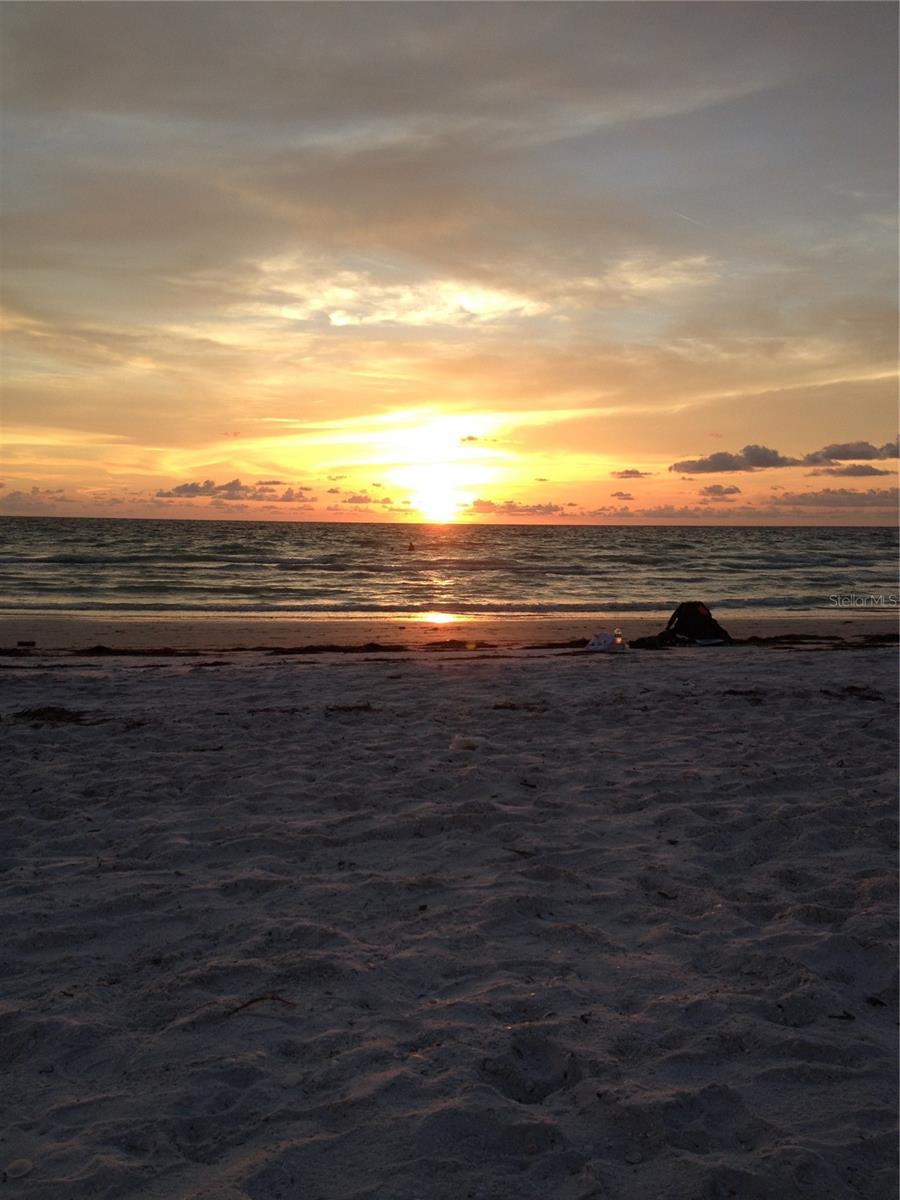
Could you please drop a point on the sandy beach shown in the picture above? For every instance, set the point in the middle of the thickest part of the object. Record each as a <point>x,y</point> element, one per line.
<point>497,925</point>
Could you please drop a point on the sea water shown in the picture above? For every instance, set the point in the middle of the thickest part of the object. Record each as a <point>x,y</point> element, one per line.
<point>90,565</point>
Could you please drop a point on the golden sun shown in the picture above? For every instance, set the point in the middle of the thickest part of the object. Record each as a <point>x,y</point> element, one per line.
<point>440,489</point>
<point>438,462</point>
<point>437,497</point>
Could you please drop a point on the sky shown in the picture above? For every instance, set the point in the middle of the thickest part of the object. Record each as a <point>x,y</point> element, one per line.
<point>523,262</point>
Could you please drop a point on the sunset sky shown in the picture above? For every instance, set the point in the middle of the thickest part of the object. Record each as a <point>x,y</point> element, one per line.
<point>576,262</point>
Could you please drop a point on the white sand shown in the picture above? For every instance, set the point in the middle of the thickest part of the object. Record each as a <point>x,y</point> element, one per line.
<point>514,927</point>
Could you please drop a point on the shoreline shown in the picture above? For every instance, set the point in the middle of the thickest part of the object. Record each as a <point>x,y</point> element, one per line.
<point>71,633</point>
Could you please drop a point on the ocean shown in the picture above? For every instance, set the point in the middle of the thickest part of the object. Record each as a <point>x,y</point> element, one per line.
<point>229,567</point>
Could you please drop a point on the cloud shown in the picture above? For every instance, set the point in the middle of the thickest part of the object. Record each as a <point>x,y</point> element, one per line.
<point>605,510</point>
<point>512,508</point>
<point>704,511</point>
<point>697,513</point>
<point>233,490</point>
<point>357,498</point>
<point>207,488</point>
<point>840,498</point>
<point>719,491</point>
<point>756,458</point>
<point>328,67</point>
<point>673,512</point>
<point>35,501</point>
<point>647,276</point>
<point>354,298</point>
<point>853,469</point>
<point>751,458</point>
<point>842,451</point>
<point>622,495</point>
<point>631,473</point>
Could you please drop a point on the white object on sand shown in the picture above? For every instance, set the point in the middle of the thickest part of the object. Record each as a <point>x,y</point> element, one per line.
<point>606,643</point>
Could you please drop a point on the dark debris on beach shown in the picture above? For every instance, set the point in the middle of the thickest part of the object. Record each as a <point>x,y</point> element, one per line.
<point>50,714</point>
<point>788,641</point>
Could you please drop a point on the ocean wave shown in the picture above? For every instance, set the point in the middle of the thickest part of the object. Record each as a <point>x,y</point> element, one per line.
<point>164,567</point>
<point>530,608</point>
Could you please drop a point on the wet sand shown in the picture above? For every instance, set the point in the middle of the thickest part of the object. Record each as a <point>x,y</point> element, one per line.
<point>219,633</point>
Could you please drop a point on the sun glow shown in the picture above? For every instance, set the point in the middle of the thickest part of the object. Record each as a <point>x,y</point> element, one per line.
<point>438,490</point>
<point>436,496</point>
<point>443,466</point>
